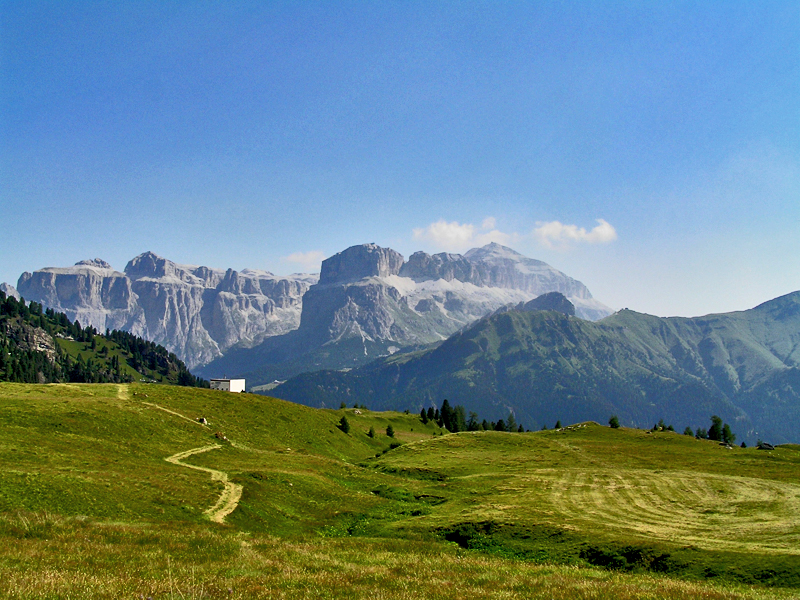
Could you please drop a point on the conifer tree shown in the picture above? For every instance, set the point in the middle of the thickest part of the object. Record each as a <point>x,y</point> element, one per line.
<point>344,424</point>
<point>727,435</point>
<point>511,423</point>
<point>715,432</point>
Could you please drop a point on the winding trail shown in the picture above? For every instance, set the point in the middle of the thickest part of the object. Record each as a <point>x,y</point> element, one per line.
<point>228,500</point>
<point>231,493</point>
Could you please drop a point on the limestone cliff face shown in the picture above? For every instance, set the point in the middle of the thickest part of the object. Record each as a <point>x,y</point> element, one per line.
<point>358,262</point>
<point>196,312</point>
<point>422,267</point>
<point>90,293</point>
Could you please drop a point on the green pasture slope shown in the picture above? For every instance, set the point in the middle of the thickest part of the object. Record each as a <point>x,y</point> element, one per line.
<point>90,508</point>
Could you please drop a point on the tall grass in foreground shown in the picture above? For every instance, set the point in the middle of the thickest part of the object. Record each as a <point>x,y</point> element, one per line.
<point>46,556</point>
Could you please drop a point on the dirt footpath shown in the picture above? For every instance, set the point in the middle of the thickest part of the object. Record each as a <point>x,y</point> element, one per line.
<point>228,500</point>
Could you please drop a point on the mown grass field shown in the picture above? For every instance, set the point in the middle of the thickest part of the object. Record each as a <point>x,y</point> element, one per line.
<point>89,507</point>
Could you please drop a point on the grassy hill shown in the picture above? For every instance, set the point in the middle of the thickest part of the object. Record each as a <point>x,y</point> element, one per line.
<point>89,507</point>
<point>545,365</point>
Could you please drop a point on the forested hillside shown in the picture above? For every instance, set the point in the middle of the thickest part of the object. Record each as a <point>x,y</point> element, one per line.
<point>44,346</point>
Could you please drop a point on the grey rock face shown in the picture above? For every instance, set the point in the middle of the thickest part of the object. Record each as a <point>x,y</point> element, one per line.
<point>94,262</point>
<point>357,262</point>
<point>97,296</point>
<point>500,267</point>
<point>196,312</point>
<point>503,267</point>
<point>422,267</point>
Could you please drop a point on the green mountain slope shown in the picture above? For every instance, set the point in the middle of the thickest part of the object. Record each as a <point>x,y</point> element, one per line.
<point>43,346</point>
<point>545,366</point>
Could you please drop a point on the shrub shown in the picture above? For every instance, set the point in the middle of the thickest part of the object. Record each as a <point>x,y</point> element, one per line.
<point>613,422</point>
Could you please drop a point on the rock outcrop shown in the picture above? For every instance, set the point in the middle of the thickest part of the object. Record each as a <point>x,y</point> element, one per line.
<point>370,292</point>
<point>30,338</point>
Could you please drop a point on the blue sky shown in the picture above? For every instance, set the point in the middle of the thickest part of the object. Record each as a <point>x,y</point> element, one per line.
<point>649,149</point>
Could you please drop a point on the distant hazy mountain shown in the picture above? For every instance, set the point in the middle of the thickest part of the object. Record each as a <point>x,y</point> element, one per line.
<point>195,312</point>
<point>369,302</point>
<point>546,365</point>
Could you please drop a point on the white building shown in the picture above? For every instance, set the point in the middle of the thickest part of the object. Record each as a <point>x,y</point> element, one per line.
<point>228,385</point>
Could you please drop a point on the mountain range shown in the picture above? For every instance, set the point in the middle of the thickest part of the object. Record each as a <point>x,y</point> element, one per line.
<point>366,302</point>
<point>542,364</point>
<point>492,330</point>
<point>196,312</point>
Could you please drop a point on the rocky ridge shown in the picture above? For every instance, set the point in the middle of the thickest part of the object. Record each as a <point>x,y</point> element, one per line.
<point>372,291</point>
<point>195,312</point>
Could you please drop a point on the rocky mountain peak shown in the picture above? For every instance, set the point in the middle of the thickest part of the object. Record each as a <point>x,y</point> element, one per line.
<point>152,266</point>
<point>94,262</point>
<point>148,264</point>
<point>358,262</point>
<point>9,290</point>
<point>494,250</point>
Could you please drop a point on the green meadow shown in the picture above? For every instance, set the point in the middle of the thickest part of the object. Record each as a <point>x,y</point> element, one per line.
<point>270,499</point>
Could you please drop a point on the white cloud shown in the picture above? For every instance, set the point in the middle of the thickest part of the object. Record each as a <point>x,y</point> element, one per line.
<point>309,261</point>
<point>558,235</point>
<point>456,237</point>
